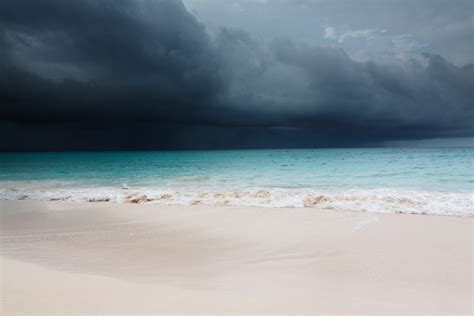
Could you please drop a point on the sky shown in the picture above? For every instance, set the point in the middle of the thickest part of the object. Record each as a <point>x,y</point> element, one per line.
<point>212,74</point>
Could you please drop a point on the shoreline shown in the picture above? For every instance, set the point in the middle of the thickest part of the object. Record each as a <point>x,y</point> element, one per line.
<point>228,207</point>
<point>375,200</point>
<point>106,257</point>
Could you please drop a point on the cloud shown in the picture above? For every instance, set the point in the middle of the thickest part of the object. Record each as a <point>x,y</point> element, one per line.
<point>97,57</point>
<point>148,75</point>
<point>368,34</point>
<point>443,27</point>
<point>322,88</point>
<point>330,33</point>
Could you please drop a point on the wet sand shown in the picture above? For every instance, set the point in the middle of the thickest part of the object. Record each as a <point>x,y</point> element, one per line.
<point>108,258</point>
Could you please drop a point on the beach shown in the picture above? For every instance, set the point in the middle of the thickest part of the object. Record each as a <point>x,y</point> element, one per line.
<point>243,157</point>
<point>144,258</point>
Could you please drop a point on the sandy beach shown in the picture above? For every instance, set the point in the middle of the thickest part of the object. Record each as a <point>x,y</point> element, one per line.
<point>65,258</point>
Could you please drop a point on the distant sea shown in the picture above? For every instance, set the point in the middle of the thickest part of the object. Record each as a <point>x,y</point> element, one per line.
<point>390,180</point>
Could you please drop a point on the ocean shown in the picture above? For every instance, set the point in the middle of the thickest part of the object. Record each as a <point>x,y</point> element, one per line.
<point>390,180</point>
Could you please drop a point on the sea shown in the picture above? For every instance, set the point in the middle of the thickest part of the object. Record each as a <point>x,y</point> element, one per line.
<point>438,181</point>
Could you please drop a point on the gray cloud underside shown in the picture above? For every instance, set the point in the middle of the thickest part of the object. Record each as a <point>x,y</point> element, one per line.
<point>147,74</point>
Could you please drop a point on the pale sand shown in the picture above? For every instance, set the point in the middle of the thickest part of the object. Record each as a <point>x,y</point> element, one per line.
<point>91,258</point>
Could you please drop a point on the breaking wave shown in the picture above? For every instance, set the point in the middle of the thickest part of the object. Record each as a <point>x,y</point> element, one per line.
<point>365,200</point>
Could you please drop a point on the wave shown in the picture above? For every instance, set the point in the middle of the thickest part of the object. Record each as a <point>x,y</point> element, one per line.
<point>387,200</point>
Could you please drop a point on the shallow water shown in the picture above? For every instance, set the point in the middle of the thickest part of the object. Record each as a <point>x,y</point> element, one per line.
<point>411,180</point>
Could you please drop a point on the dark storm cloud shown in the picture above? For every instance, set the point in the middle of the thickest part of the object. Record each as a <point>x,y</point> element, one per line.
<point>315,87</point>
<point>151,54</point>
<point>147,74</point>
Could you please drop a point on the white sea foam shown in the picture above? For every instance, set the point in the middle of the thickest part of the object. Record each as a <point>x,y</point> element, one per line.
<point>387,200</point>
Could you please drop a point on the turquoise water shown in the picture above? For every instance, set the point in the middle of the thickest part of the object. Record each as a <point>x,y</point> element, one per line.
<point>438,181</point>
<point>438,169</point>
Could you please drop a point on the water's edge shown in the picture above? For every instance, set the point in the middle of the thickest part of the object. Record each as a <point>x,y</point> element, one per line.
<point>391,180</point>
<point>383,200</point>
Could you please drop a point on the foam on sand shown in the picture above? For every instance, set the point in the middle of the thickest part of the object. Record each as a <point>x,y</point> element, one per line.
<point>383,200</point>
